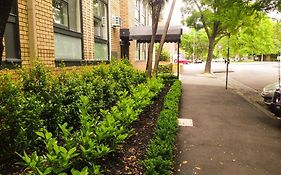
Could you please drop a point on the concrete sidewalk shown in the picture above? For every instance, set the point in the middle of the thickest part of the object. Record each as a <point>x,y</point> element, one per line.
<point>230,136</point>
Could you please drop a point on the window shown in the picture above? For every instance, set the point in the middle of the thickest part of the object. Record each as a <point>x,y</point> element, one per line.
<point>101,19</point>
<point>67,27</point>
<point>137,11</point>
<point>66,13</point>
<point>11,34</point>
<point>140,52</point>
<point>60,12</point>
<point>140,13</point>
<point>101,29</point>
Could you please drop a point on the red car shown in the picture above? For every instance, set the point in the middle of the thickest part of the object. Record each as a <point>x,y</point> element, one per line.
<point>182,60</point>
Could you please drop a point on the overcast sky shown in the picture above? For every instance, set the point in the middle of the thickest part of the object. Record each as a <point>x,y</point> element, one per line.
<point>176,18</point>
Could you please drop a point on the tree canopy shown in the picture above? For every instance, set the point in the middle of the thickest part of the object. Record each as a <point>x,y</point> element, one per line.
<point>195,42</point>
<point>263,37</point>
<point>218,18</point>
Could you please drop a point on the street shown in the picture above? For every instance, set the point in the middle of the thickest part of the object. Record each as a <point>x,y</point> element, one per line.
<point>248,79</point>
<point>253,74</point>
<point>230,134</point>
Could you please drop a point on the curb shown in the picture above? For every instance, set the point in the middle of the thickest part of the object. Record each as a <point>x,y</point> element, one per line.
<point>250,95</point>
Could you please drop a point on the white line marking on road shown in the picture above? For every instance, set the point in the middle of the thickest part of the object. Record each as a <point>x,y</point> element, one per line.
<point>185,122</point>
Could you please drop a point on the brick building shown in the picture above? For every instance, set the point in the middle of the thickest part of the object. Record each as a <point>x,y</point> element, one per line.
<point>73,31</point>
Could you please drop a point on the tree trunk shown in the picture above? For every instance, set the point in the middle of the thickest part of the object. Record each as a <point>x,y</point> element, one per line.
<point>163,37</point>
<point>155,19</point>
<point>212,43</point>
<point>5,8</point>
<point>208,65</point>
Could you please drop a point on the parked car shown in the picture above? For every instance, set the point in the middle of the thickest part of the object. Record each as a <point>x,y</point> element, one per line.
<point>219,60</point>
<point>183,61</point>
<point>198,61</point>
<point>268,93</point>
<point>272,97</point>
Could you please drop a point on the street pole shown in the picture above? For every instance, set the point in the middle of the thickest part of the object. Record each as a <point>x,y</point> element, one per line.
<point>178,68</point>
<point>279,61</point>
<point>227,61</point>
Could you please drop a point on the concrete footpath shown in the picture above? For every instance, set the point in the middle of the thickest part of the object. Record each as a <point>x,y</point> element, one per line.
<point>230,136</point>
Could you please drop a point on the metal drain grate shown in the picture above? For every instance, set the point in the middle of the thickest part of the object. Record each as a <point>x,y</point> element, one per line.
<point>185,122</point>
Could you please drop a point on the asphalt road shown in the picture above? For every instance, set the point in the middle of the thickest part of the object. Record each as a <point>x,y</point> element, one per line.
<point>254,74</point>
<point>247,79</point>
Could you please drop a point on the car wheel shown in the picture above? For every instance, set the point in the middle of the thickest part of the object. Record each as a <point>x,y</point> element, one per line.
<point>277,103</point>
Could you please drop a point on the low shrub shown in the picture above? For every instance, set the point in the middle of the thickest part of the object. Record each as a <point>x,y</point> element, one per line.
<point>97,137</point>
<point>165,68</point>
<point>164,55</point>
<point>159,158</point>
<point>168,78</point>
<point>39,100</point>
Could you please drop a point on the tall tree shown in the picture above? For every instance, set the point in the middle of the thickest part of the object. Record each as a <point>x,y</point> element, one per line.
<point>163,37</point>
<point>195,44</point>
<point>262,38</point>
<point>5,8</point>
<point>156,8</point>
<point>218,18</point>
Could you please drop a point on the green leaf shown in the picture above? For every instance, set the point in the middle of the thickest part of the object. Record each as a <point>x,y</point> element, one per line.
<point>48,135</point>
<point>63,150</point>
<point>26,158</point>
<point>40,134</point>
<point>71,151</point>
<point>48,170</point>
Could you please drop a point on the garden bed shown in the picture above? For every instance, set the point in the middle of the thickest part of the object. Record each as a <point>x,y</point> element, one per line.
<point>98,121</point>
<point>129,154</point>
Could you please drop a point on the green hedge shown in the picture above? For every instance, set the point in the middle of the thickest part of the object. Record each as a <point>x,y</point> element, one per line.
<point>165,68</point>
<point>39,100</point>
<point>97,137</point>
<point>159,158</point>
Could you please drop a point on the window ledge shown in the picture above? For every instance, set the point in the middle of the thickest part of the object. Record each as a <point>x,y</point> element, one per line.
<point>77,62</point>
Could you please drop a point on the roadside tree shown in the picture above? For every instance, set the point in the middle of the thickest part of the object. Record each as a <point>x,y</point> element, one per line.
<point>195,44</point>
<point>260,39</point>
<point>218,18</point>
<point>163,37</point>
<point>156,8</point>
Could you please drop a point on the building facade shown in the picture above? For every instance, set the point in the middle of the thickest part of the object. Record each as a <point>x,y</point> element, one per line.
<point>73,31</point>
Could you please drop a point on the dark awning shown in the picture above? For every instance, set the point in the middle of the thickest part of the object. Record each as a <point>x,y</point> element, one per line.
<point>143,34</point>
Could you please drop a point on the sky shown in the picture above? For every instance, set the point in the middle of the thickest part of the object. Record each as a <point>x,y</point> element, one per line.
<point>177,17</point>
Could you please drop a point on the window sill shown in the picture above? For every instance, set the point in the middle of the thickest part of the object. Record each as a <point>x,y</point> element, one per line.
<point>10,63</point>
<point>64,31</point>
<point>140,61</point>
<point>70,63</point>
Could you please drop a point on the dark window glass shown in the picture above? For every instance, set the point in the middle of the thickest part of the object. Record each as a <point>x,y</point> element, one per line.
<point>12,46</point>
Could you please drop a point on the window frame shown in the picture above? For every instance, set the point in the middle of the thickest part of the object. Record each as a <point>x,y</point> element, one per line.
<point>14,20</point>
<point>60,25</point>
<point>65,30</point>
<point>97,38</point>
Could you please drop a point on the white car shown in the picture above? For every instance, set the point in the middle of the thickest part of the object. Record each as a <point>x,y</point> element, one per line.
<point>268,92</point>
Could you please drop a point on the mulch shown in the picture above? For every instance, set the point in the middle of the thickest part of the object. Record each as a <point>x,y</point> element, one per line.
<point>127,159</point>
